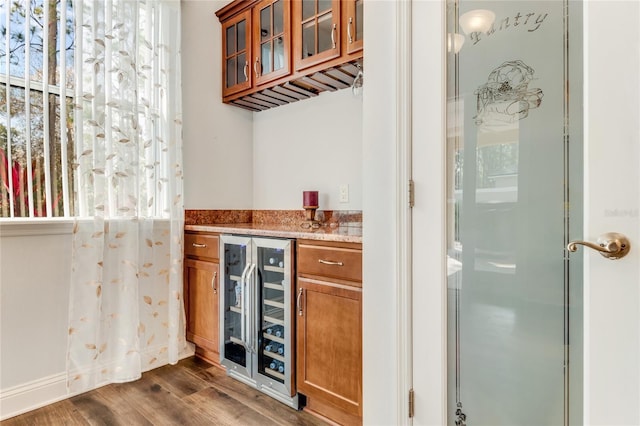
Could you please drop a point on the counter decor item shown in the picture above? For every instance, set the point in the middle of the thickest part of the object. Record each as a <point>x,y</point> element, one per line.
<point>310,204</point>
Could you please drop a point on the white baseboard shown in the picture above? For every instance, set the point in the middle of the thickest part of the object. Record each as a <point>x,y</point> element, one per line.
<point>29,396</point>
<point>47,390</point>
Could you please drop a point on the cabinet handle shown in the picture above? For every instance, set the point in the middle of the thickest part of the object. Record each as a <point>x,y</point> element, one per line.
<point>349,29</point>
<point>255,67</point>
<point>213,281</point>
<point>333,36</point>
<point>196,245</point>
<point>244,70</point>
<point>330,262</point>
<point>299,300</point>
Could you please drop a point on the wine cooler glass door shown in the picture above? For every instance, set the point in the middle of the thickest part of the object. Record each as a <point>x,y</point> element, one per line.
<point>275,360</point>
<point>234,303</point>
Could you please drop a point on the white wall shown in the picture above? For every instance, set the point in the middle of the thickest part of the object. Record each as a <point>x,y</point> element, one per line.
<point>235,159</point>
<point>380,251</point>
<point>217,138</point>
<point>35,266</point>
<point>34,300</point>
<point>315,144</point>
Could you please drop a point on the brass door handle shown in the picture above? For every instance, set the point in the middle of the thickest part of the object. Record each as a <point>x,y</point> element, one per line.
<point>610,245</point>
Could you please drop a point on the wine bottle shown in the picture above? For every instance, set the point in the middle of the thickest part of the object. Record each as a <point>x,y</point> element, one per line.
<point>270,347</point>
<point>281,367</point>
<point>273,365</point>
<point>279,331</point>
<point>281,349</point>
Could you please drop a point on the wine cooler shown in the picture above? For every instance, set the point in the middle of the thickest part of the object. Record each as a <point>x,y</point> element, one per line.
<point>256,323</point>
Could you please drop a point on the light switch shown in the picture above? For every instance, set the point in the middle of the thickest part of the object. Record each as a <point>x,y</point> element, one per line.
<point>344,193</point>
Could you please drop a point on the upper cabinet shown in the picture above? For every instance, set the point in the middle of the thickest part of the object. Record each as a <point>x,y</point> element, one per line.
<point>316,31</point>
<point>271,40</point>
<point>281,51</point>
<point>355,25</point>
<point>236,48</point>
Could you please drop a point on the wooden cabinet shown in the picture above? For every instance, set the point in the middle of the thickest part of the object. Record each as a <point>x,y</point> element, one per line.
<point>316,32</point>
<point>236,54</point>
<point>329,329</point>
<point>271,40</point>
<point>201,286</point>
<point>276,52</point>
<point>324,30</point>
<point>256,44</point>
<point>354,24</point>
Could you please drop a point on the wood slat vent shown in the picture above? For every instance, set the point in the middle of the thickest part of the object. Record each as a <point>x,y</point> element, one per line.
<point>332,79</point>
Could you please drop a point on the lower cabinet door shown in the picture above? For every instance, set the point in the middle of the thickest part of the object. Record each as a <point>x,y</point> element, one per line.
<point>329,343</point>
<point>201,304</point>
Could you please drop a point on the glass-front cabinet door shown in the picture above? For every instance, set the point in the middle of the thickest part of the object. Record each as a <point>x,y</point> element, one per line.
<point>355,25</point>
<point>236,54</point>
<point>271,37</point>
<point>316,31</point>
<point>275,323</point>
<point>234,305</point>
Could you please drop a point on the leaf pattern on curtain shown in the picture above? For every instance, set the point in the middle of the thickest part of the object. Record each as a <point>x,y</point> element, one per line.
<point>126,314</point>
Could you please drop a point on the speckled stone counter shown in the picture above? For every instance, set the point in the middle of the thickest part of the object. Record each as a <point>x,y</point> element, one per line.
<point>342,226</point>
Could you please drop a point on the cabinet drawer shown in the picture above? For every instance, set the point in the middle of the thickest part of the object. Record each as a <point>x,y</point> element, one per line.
<point>201,245</point>
<point>331,262</point>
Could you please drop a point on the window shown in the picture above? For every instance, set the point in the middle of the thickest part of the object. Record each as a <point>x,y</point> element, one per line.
<point>37,83</point>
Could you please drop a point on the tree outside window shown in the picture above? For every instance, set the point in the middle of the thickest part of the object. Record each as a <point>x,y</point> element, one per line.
<point>36,144</point>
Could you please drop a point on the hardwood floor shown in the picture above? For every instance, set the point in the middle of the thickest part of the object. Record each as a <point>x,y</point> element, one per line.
<point>190,393</point>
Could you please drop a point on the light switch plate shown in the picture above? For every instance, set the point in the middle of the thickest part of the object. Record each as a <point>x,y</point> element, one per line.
<point>344,193</point>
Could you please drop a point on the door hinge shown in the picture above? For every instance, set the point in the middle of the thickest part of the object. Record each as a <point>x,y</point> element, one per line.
<point>412,193</point>
<point>411,403</point>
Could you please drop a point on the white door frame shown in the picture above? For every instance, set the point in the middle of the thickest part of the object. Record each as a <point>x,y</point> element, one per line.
<point>612,146</point>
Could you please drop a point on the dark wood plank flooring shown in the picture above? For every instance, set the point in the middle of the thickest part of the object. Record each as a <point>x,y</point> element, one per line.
<point>192,392</point>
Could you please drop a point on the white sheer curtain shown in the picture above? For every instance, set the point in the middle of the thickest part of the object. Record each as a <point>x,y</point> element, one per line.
<point>126,313</point>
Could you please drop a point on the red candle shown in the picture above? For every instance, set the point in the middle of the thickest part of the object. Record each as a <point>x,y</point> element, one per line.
<point>310,199</point>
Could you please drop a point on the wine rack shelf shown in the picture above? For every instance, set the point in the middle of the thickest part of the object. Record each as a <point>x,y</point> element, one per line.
<point>273,338</point>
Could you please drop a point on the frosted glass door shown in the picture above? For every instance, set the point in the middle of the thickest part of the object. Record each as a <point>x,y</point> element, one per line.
<point>514,161</point>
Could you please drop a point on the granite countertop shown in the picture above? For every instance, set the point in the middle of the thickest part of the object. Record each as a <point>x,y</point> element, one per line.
<point>350,234</point>
<point>334,226</point>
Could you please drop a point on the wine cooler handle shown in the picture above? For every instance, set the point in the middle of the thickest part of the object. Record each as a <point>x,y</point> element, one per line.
<point>213,282</point>
<point>243,302</point>
<point>298,302</point>
<point>251,309</point>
